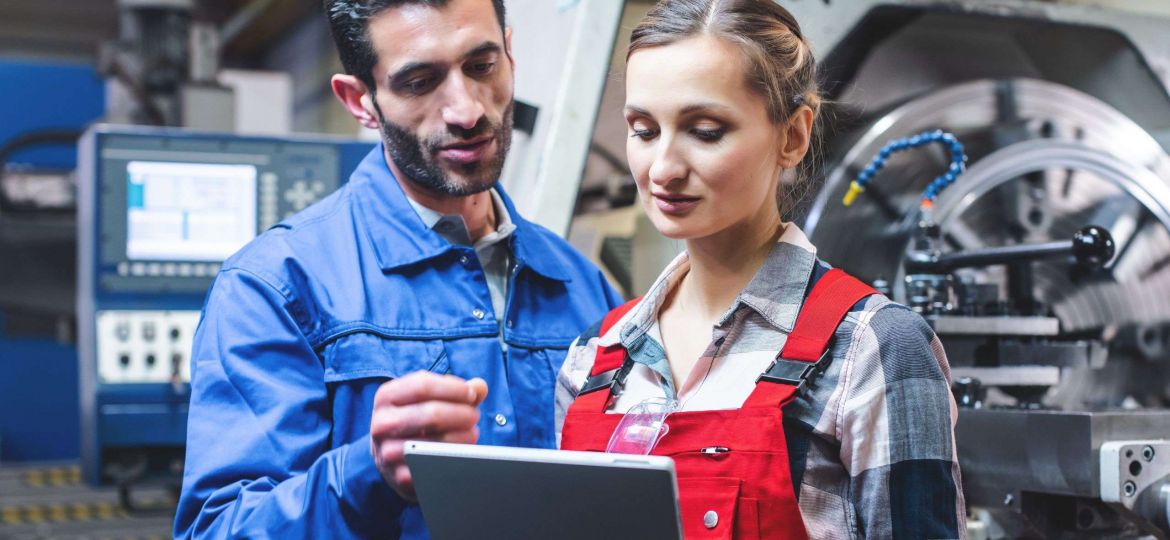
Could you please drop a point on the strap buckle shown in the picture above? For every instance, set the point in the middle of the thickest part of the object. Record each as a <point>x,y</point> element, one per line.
<point>614,379</point>
<point>796,373</point>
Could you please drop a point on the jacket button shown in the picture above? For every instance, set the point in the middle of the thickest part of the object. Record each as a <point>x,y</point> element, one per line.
<point>477,313</point>
<point>463,260</point>
<point>501,420</point>
<point>710,519</point>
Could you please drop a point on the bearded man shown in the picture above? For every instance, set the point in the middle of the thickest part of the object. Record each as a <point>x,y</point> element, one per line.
<point>414,303</point>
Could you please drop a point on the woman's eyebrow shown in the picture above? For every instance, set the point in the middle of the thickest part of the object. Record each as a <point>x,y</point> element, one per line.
<point>698,107</point>
<point>637,110</point>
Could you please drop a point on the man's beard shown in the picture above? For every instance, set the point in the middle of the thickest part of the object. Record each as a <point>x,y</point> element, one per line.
<point>416,158</point>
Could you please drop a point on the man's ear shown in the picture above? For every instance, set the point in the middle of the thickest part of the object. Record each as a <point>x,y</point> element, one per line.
<point>508,46</point>
<point>353,95</point>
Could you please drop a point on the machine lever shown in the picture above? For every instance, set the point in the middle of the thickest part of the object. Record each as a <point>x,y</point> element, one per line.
<point>1092,247</point>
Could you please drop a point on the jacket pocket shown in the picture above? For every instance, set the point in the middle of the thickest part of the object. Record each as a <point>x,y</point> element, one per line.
<point>364,355</point>
<point>711,508</point>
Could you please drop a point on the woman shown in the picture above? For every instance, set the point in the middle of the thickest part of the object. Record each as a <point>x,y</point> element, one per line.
<point>721,100</point>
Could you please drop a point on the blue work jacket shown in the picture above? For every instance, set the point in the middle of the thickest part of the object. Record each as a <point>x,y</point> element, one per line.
<point>302,326</point>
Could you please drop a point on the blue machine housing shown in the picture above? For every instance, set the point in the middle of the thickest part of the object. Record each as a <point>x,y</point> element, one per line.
<point>38,367</point>
<point>137,311</point>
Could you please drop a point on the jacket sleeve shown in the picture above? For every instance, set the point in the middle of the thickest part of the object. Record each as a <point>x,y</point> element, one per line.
<point>897,431</point>
<point>259,462</point>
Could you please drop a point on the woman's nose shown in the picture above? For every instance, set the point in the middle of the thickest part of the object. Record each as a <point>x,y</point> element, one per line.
<point>668,166</point>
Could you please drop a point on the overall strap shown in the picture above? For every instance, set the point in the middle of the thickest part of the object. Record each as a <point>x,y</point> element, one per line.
<point>610,369</point>
<point>807,346</point>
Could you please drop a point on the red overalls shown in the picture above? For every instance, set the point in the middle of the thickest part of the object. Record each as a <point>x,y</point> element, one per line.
<point>732,465</point>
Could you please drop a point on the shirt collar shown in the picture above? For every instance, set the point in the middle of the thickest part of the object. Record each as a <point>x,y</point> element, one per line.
<point>776,292</point>
<point>454,228</point>
<point>401,237</point>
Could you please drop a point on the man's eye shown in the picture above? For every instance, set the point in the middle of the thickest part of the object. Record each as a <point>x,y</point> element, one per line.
<point>483,68</point>
<point>417,86</point>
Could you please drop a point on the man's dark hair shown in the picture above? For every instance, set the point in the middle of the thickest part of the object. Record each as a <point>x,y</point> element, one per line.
<point>349,20</point>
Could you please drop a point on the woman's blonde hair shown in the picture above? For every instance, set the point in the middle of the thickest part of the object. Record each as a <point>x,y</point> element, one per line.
<point>779,61</point>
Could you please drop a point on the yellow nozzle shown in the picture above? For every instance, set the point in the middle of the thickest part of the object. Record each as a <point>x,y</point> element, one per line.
<point>855,189</point>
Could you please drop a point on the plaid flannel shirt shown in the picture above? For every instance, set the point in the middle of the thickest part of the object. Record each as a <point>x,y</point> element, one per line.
<point>871,440</point>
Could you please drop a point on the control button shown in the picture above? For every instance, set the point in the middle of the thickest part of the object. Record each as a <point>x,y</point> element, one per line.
<point>153,269</point>
<point>478,313</point>
<point>138,269</point>
<point>123,269</point>
<point>148,331</point>
<point>710,519</point>
<point>170,269</point>
<point>175,333</point>
<point>501,420</point>
<point>124,359</point>
<point>122,331</point>
<point>176,364</point>
<point>185,269</point>
<point>150,359</point>
<point>199,270</point>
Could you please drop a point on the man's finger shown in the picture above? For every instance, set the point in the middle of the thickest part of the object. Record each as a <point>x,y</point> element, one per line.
<point>404,483</point>
<point>422,386</point>
<point>479,388</point>
<point>422,420</point>
<point>393,451</point>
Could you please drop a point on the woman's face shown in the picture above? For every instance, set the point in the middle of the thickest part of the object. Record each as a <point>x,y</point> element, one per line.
<point>702,150</point>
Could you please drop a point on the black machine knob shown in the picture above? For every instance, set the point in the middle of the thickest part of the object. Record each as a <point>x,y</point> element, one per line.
<point>968,392</point>
<point>1093,246</point>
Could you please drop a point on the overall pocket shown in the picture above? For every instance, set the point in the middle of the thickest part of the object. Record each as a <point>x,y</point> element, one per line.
<point>711,508</point>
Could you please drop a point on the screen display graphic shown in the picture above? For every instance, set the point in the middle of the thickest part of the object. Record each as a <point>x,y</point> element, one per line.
<point>189,211</point>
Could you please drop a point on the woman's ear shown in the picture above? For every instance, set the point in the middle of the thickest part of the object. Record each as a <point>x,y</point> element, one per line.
<point>798,134</point>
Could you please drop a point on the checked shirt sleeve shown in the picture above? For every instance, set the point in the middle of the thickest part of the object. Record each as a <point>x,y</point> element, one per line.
<point>896,427</point>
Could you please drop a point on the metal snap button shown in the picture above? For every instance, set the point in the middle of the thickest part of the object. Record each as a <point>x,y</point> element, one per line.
<point>463,259</point>
<point>710,519</point>
<point>501,420</point>
<point>478,313</point>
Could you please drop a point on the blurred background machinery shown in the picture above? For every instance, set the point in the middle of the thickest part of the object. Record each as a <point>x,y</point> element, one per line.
<point>1062,367</point>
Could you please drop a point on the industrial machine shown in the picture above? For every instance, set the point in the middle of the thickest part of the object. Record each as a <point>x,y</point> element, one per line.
<point>158,212</point>
<point>1044,266</point>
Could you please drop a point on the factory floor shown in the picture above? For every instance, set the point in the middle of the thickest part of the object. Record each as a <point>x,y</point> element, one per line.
<point>48,500</point>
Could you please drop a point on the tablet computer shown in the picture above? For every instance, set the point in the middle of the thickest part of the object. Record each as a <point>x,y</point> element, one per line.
<point>493,492</point>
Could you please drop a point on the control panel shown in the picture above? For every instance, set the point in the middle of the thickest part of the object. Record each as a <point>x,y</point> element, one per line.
<point>159,211</point>
<point>145,346</point>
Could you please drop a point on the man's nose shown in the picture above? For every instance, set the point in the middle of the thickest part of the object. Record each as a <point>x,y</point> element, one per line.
<point>463,108</point>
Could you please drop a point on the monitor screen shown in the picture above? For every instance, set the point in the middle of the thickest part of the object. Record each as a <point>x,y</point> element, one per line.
<point>189,211</point>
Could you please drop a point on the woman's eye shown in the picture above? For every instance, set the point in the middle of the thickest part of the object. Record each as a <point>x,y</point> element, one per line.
<point>644,134</point>
<point>708,135</point>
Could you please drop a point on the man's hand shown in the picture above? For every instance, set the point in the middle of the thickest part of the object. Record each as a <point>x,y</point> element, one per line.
<point>421,406</point>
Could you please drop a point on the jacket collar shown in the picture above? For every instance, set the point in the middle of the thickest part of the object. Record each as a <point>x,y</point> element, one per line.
<point>401,239</point>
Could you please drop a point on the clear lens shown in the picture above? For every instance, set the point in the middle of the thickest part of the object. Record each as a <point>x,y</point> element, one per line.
<point>642,427</point>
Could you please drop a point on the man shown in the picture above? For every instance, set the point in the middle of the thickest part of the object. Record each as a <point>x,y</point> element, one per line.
<point>414,303</point>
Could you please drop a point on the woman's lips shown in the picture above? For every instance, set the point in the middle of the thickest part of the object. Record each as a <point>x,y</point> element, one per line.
<point>675,204</point>
<point>468,153</point>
